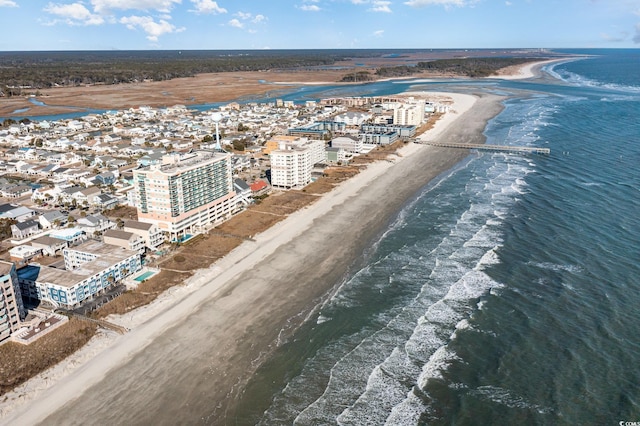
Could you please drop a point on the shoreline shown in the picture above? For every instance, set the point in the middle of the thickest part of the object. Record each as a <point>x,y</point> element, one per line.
<point>228,296</point>
<point>529,70</point>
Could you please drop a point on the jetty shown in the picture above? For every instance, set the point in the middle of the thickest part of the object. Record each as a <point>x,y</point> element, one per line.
<point>485,147</point>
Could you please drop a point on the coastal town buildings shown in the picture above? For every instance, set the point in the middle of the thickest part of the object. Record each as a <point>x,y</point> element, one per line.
<point>186,193</point>
<point>11,307</point>
<point>166,162</point>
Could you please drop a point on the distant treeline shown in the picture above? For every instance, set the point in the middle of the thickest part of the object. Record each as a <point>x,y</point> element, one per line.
<point>38,70</point>
<point>26,72</point>
<point>469,67</point>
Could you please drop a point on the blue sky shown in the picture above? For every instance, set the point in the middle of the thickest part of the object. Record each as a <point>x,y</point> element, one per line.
<point>316,24</point>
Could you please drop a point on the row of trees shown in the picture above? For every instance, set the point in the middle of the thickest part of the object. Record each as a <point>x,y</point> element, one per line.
<point>469,67</point>
<point>35,70</point>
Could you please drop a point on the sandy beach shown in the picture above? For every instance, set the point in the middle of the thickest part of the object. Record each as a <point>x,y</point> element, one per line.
<point>530,70</point>
<point>189,354</point>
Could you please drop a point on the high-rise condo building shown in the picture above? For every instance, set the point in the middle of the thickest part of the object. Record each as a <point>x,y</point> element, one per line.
<point>186,192</point>
<point>292,162</point>
<point>11,307</point>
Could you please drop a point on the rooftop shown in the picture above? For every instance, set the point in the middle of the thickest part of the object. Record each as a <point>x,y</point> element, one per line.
<point>137,225</point>
<point>121,235</point>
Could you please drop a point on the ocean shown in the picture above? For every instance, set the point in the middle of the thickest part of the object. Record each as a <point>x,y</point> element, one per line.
<point>505,292</point>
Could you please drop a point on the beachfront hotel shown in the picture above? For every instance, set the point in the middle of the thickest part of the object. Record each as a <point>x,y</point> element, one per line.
<point>292,162</point>
<point>409,113</point>
<point>90,268</point>
<point>11,308</point>
<point>185,193</point>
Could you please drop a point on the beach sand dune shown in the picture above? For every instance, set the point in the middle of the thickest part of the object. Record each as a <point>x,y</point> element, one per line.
<point>188,364</point>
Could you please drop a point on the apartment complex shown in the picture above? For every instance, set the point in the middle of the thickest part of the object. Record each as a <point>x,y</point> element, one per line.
<point>186,192</point>
<point>292,162</point>
<point>90,268</point>
<point>11,308</point>
<point>410,113</point>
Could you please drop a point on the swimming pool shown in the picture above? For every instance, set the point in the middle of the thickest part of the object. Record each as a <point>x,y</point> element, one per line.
<point>144,276</point>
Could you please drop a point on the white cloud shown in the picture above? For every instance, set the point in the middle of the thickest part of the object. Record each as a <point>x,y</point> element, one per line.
<point>104,6</point>
<point>446,3</point>
<point>74,14</point>
<point>376,5</point>
<point>381,6</point>
<point>207,7</point>
<point>507,3</point>
<point>310,8</point>
<point>247,17</point>
<point>148,25</point>
<point>8,3</point>
<point>236,23</point>
<point>378,33</point>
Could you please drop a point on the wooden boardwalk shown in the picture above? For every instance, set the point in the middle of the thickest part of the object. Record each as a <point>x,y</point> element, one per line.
<point>484,147</point>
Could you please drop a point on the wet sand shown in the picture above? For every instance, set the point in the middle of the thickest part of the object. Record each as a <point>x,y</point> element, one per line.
<point>188,364</point>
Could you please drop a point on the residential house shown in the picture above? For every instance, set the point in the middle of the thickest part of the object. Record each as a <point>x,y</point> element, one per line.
<point>151,233</point>
<point>243,192</point>
<point>259,187</point>
<point>52,219</point>
<point>336,155</point>
<point>348,143</point>
<point>50,246</point>
<point>71,235</point>
<point>106,178</point>
<point>22,230</point>
<point>111,138</point>
<point>67,195</point>
<point>17,191</point>
<point>19,213</point>
<point>86,196</point>
<point>95,224</point>
<point>105,201</point>
<point>23,254</point>
<point>127,240</point>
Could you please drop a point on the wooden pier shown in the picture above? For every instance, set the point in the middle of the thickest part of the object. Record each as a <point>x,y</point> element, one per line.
<point>484,147</point>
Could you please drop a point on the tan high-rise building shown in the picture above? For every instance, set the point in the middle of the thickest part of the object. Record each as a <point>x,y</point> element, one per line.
<point>186,193</point>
